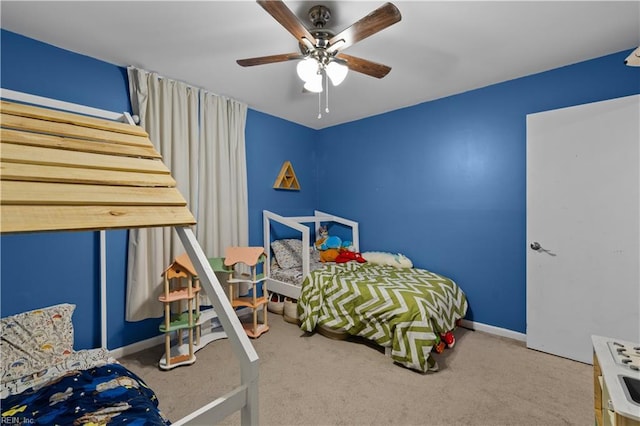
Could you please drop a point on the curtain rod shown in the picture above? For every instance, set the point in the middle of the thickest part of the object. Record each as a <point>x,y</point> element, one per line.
<point>191,86</point>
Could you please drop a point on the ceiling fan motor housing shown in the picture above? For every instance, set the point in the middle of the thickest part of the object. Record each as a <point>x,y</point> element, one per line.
<point>319,16</point>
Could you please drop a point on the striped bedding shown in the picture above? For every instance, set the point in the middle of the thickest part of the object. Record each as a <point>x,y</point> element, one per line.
<point>403,309</point>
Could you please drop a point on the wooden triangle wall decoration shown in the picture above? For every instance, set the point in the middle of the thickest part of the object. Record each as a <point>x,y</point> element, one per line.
<point>287,178</point>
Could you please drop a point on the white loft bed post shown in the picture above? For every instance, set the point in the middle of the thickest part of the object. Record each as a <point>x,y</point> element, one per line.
<point>266,241</point>
<point>103,290</point>
<point>245,398</point>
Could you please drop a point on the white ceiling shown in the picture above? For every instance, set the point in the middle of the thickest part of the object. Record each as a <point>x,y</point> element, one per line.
<point>437,49</point>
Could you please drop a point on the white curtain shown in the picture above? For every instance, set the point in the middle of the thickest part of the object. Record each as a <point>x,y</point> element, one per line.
<point>201,139</point>
<point>223,168</point>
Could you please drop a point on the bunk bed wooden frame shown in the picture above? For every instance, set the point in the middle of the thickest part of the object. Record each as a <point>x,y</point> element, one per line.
<point>69,167</point>
<point>298,223</point>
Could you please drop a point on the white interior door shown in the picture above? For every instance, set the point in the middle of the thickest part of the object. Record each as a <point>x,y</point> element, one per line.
<point>583,210</point>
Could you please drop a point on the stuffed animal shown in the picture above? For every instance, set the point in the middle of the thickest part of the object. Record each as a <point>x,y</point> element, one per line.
<point>329,255</point>
<point>323,234</point>
<point>348,245</point>
<point>347,256</point>
<point>331,247</point>
<point>332,242</point>
<point>390,259</point>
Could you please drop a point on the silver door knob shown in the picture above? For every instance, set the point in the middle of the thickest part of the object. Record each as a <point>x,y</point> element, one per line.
<point>535,245</point>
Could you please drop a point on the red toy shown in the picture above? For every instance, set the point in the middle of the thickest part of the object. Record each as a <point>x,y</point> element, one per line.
<point>346,256</point>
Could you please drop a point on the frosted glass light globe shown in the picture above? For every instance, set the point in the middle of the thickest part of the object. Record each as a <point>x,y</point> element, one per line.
<point>307,69</point>
<point>337,72</point>
<point>314,84</point>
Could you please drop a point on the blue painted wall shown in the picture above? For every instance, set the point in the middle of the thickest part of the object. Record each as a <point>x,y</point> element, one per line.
<point>270,142</point>
<point>443,182</point>
<point>41,69</point>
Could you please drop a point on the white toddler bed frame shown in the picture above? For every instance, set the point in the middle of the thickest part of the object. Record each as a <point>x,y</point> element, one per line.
<point>63,171</point>
<point>298,223</point>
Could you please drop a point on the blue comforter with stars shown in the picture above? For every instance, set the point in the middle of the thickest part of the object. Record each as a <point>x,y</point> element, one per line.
<point>107,394</point>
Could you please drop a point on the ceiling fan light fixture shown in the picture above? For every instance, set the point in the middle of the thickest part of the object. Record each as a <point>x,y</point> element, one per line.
<point>319,47</point>
<point>307,69</point>
<point>314,84</point>
<point>337,71</point>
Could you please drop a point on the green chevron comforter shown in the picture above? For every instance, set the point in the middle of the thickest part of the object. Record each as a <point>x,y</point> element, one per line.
<point>404,309</point>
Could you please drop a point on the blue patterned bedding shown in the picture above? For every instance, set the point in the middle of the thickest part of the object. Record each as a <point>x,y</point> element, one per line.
<point>107,393</point>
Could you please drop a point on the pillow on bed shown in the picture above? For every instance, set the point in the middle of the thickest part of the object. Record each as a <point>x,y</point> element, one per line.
<point>389,259</point>
<point>31,341</point>
<point>78,360</point>
<point>288,252</point>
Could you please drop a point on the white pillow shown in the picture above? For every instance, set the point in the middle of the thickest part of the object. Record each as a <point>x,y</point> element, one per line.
<point>383,258</point>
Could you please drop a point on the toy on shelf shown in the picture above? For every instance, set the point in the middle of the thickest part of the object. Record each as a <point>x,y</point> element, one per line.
<point>251,257</point>
<point>181,290</point>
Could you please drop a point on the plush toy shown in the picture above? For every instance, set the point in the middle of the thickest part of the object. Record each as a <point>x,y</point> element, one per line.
<point>323,234</point>
<point>348,245</point>
<point>347,256</point>
<point>391,259</point>
<point>329,255</point>
<point>332,242</point>
<point>332,247</point>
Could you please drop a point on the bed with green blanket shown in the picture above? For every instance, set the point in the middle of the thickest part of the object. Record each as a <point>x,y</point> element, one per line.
<point>404,309</point>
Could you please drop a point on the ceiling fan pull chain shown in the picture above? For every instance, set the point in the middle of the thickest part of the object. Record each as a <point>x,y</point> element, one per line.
<point>326,84</point>
<point>319,106</point>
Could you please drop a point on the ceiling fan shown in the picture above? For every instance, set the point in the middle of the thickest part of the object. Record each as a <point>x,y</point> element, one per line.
<point>321,50</point>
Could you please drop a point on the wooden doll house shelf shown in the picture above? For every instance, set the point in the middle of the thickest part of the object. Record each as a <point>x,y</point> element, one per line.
<point>181,291</point>
<point>252,257</point>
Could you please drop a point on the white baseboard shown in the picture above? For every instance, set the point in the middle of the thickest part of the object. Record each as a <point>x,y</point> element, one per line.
<point>498,331</point>
<point>472,325</point>
<point>154,341</point>
<point>137,347</point>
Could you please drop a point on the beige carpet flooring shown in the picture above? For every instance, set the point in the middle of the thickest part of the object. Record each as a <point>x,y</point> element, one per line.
<point>314,380</point>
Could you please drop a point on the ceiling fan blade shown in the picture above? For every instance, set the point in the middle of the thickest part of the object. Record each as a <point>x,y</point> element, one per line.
<point>287,19</point>
<point>381,18</point>
<point>261,60</point>
<point>364,66</point>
